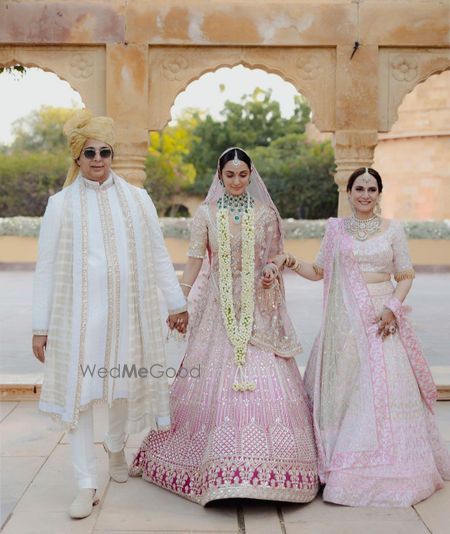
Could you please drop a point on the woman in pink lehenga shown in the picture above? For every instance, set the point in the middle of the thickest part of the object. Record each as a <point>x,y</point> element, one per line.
<point>371,387</point>
<point>242,428</point>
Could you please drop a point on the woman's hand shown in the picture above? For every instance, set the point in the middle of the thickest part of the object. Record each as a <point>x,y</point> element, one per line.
<point>39,344</point>
<point>279,260</point>
<point>269,273</point>
<point>386,323</point>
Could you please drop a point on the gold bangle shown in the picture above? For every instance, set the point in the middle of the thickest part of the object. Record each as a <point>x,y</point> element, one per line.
<point>404,275</point>
<point>185,285</point>
<point>274,268</point>
<point>317,269</point>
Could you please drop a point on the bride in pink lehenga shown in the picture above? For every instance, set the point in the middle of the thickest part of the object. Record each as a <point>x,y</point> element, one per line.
<point>371,387</point>
<point>243,427</point>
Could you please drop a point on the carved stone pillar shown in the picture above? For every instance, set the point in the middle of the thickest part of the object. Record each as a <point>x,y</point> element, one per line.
<point>356,113</point>
<point>131,152</point>
<point>353,149</point>
<point>127,103</point>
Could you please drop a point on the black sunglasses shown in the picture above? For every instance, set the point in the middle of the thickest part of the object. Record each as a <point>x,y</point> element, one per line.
<point>89,153</point>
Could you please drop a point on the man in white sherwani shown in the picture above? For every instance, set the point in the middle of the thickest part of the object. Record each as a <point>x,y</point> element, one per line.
<point>96,318</point>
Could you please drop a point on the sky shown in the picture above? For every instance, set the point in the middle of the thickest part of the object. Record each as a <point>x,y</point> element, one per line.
<point>19,95</point>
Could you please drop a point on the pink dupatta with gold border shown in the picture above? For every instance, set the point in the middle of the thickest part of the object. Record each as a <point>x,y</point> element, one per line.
<point>361,436</point>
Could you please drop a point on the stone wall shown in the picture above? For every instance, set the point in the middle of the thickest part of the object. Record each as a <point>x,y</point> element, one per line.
<point>130,58</point>
<point>414,157</point>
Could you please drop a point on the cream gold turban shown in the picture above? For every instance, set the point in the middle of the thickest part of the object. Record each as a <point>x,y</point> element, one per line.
<point>81,127</point>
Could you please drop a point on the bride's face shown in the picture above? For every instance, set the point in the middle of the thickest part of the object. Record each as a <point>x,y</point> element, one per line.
<point>235,177</point>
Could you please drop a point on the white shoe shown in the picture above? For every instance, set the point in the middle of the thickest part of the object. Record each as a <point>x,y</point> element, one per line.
<point>83,503</point>
<point>118,467</point>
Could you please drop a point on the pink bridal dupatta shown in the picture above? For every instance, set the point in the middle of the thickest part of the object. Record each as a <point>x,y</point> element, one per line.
<point>346,374</point>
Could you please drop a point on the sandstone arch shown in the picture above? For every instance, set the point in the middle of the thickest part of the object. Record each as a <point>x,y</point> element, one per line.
<point>83,68</point>
<point>413,156</point>
<point>172,70</point>
<point>400,71</point>
<point>144,53</point>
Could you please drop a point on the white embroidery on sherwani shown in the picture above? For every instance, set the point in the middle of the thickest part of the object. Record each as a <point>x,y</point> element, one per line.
<point>133,311</point>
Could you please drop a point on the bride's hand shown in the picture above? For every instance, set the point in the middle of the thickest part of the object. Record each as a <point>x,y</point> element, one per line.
<point>268,275</point>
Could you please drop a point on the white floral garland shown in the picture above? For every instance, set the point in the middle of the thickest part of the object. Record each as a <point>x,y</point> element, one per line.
<point>239,335</point>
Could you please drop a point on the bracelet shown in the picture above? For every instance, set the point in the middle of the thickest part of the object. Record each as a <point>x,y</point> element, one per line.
<point>274,268</point>
<point>290,261</point>
<point>185,285</point>
<point>318,270</point>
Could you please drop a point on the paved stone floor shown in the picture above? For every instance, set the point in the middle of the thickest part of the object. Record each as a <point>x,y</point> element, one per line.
<point>429,300</point>
<point>37,487</point>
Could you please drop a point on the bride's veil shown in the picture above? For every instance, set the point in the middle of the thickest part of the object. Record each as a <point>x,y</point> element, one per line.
<point>258,190</point>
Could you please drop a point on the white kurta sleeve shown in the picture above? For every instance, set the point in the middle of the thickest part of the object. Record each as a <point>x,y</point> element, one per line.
<point>45,266</point>
<point>166,277</point>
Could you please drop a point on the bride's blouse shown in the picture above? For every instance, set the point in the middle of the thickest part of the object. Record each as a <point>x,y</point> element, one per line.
<point>272,328</point>
<point>386,252</point>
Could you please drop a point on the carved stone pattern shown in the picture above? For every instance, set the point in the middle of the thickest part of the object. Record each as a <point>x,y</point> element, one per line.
<point>81,66</point>
<point>404,68</point>
<point>174,67</point>
<point>309,67</point>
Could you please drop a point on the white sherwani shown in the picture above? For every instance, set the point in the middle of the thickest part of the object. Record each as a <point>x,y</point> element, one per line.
<point>101,258</point>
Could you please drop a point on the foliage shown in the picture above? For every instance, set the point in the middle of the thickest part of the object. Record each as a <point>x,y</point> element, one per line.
<point>182,158</point>
<point>179,228</point>
<point>14,69</point>
<point>27,180</point>
<point>255,121</point>
<point>41,130</point>
<point>167,172</point>
<point>299,176</point>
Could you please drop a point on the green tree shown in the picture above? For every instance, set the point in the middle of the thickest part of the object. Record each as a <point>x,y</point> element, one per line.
<point>17,70</point>
<point>299,176</point>
<point>27,180</point>
<point>255,121</point>
<point>41,130</point>
<point>167,171</point>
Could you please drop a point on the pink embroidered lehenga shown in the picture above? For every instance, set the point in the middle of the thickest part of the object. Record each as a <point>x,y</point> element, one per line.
<point>225,443</point>
<point>378,443</point>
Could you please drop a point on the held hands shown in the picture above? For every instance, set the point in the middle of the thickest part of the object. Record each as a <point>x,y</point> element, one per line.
<point>269,274</point>
<point>386,324</point>
<point>270,270</point>
<point>179,321</point>
<point>280,260</point>
<point>39,345</point>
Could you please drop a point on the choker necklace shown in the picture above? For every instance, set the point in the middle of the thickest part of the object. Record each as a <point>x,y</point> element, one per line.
<point>236,205</point>
<point>361,229</point>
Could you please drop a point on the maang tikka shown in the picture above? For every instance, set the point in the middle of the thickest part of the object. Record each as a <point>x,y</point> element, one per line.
<point>236,159</point>
<point>366,176</point>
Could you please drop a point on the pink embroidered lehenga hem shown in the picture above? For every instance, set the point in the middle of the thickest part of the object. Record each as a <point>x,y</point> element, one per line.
<point>226,444</point>
<point>378,442</point>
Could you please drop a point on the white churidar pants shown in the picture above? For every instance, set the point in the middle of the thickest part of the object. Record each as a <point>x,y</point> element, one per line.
<point>82,442</point>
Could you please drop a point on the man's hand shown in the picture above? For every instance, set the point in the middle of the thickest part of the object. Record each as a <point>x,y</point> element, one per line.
<point>39,344</point>
<point>179,321</point>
